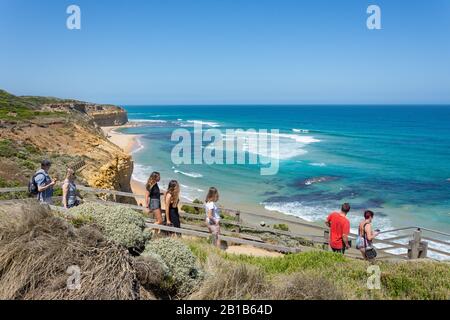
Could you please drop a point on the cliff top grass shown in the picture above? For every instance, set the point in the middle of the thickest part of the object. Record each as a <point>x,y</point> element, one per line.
<point>15,108</point>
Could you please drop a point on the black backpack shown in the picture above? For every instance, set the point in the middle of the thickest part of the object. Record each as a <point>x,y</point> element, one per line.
<point>32,185</point>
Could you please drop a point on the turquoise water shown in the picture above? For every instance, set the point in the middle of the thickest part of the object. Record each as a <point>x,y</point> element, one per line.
<point>394,160</point>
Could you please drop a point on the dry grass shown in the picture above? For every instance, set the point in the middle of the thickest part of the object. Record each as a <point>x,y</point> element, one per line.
<point>150,271</point>
<point>37,248</point>
<point>230,281</point>
<point>303,286</point>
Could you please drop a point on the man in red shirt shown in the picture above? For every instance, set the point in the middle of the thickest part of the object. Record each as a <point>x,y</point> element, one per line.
<point>339,229</point>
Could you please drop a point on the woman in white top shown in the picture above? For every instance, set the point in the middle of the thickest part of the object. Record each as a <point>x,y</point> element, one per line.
<point>212,214</point>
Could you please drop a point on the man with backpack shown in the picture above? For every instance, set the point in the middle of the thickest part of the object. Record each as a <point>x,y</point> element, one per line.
<point>41,184</point>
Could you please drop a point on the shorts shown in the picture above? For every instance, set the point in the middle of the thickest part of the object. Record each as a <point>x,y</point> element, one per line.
<point>213,228</point>
<point>155,204</point>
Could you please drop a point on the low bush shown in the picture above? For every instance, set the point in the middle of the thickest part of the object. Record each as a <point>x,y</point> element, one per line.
<point>281,226</point>
<point>416,280</point>
<point>7,149</point>
<point>11,195</point>
<point>194,210</point>
<point>119,224</point>
<point>30,165</point>
<point>185,272</point>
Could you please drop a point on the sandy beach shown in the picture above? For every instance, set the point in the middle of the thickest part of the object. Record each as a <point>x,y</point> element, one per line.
<point>128,143</point>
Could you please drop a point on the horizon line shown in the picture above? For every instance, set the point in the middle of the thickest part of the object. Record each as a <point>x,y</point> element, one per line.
<point>282,104</point>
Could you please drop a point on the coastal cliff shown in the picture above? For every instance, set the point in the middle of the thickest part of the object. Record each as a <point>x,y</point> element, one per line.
<point>102,115</point>
<point>68,133</point>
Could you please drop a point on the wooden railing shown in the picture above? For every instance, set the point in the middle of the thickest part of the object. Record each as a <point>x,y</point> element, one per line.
<point>414,242</point>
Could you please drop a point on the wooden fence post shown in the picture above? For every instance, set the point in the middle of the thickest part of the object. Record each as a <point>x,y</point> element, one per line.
<point>418,249</point>
<point>423,249</point>
<point>237,217</point>
<point>326,239</point>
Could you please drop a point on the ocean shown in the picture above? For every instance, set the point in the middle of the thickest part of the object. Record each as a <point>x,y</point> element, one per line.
<point>393,160</point>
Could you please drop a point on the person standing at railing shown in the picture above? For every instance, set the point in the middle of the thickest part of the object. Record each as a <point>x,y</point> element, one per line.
<point>69,189</point>
<point>213,214</point>
<point>366,235</point>
<point>171,201</point>
<point>339,229</point>
<point>44,183</point>
<point>153,197</point>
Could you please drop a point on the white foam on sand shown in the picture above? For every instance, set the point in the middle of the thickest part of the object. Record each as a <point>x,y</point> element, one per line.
<point>188,174</point>
<point>298,209</point>
<point>141,172</point>
<point>191,193</point>
<point>140,146</point>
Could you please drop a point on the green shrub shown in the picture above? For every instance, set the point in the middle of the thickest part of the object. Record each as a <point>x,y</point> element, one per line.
<point>81,219</point>
<point>31,149</point>
<point>281,226</point>
<point>11,195</point>
<point>119,224</point>
<point>416,280</point>
<point>193,210</point>
<point>185,273</point>
<point>7,149</point>
<point>292,262</point>
<point>28,164</point>
<point>8,184</point>
<point>226,216</point>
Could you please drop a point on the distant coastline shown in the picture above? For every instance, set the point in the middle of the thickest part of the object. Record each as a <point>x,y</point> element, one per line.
<point>128,143</point>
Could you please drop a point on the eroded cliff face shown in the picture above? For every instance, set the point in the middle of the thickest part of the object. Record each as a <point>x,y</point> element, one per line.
<point>102,115</point>
<point>114,174</point>
<point>109,117</point>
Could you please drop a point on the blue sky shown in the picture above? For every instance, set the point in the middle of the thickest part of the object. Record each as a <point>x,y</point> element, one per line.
<point>228,51</point>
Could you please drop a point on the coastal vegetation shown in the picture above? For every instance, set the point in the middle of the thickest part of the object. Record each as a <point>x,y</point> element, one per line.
<point>13,108</point>
<point>44,244</point>
<point>281,226</point>
<point>304,275</point>
<point>119,224</point>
